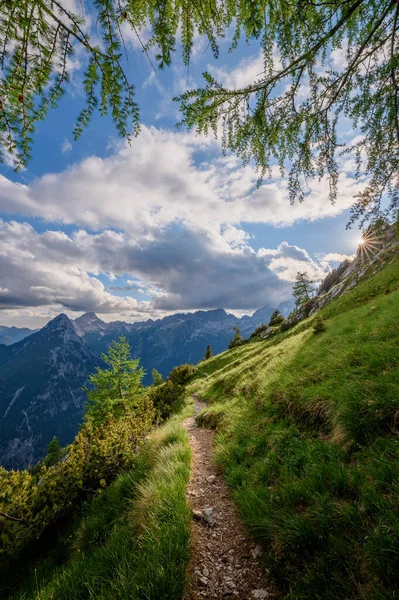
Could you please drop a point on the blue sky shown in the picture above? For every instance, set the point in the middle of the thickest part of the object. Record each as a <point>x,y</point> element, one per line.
<point>167,224</point>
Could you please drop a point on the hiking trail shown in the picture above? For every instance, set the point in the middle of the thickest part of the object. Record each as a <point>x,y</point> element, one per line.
<point>224,561</point>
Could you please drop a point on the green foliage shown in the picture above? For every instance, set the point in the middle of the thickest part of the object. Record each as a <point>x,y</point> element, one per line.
<point>319,325</point>
<point>115,390</point>
<point>167,398</point>
<point>38,39</point>
<point>276,318</point>
<point>237,339</point>
<point>307,437</point>
<point>28,507</point>
<point>182,374</point>
<point>54,452</point>
<point>133,539</point>
<point>272,119</point>
<point>208,353</point>
<point>156,377</point>
<point>256,332</point>
<point>302,290</point>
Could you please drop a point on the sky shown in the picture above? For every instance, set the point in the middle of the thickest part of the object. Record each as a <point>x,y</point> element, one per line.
<point>166,224</point>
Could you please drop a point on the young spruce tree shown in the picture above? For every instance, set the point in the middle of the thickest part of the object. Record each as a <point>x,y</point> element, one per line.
<point>208,352</point>
<point>114,390</point>
<point>303,289</point>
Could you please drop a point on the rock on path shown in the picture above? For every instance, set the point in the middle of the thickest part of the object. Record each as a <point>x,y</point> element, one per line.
<point>224,559</point>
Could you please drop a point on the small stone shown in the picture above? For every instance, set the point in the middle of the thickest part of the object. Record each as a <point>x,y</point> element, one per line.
<point>208,517</point>
<point>260,594</point>
<point>204,581</point>
<point>197,515</point>
<point>227,592</point>
<point>256,552</point>
<point>205,572</point>
<point>211,479</point>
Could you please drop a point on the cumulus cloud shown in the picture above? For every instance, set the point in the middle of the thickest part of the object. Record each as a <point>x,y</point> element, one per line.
<point>182,268</point>
<point>163,217</point>
<point>336,257</point>
<point>159,180</point>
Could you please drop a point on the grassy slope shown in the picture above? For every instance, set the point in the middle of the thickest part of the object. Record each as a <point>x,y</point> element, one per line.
<point>309,440</point>
<point>133,540</point>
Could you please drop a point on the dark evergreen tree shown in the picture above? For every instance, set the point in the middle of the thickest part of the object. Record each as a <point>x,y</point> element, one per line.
<point>237,339</point>
<point>156,377</point>
<point>208,352</point>
<point>276,318</point>
<point>54,452</point>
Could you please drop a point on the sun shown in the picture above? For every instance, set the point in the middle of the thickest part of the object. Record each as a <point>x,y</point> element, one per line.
<point>369,244</point>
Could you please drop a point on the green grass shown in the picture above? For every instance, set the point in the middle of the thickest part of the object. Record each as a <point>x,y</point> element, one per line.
<point>133,540</point>
<point>308,438</point>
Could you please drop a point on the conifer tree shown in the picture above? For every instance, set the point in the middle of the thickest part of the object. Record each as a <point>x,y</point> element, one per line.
<point>237,338</point>
<point>303,289</point>
<point>116,389</point>
<point>276,318</point>
<point>157,378</point>
<point>54,452</point>
<point>208,352</point>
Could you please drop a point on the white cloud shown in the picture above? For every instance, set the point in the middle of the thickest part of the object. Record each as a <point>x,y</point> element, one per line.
<point>158,181</point>
<point>247,71</point>
<point>181,268</point>
<point>336,257</point>
<point>66,146</point>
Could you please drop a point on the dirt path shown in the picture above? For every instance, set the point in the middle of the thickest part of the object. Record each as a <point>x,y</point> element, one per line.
<point>224,562</point>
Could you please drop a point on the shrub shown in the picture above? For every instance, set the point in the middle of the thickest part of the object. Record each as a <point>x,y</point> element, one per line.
<point>167,398</point>
<point>258,330</point>
<point>319,325</point>
<point>276,318</point>
<point>182,373</point>
<point>156,377</point>
<point>237,339</point>
<point>28,506</point>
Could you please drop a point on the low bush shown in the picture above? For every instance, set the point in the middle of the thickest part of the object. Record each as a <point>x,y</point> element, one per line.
<point>182,374</point>
<point>319,325</point>
<point>133,541</point>
<point>167,398</point>
<point>29,504</point>
<point>256,333</point>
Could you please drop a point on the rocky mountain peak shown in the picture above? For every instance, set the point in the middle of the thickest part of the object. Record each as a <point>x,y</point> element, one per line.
<point>87,323</point>
<point>60,323</point>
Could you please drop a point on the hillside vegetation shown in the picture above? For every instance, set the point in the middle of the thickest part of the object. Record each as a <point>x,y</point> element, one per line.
<point>308,438</point>
<point>131,541</point>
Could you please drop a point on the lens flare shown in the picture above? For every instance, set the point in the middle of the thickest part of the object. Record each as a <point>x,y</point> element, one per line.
<point>369,244</point>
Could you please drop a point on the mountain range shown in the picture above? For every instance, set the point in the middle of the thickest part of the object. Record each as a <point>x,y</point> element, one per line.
<point>42,374</point>
<point>11,335</point>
